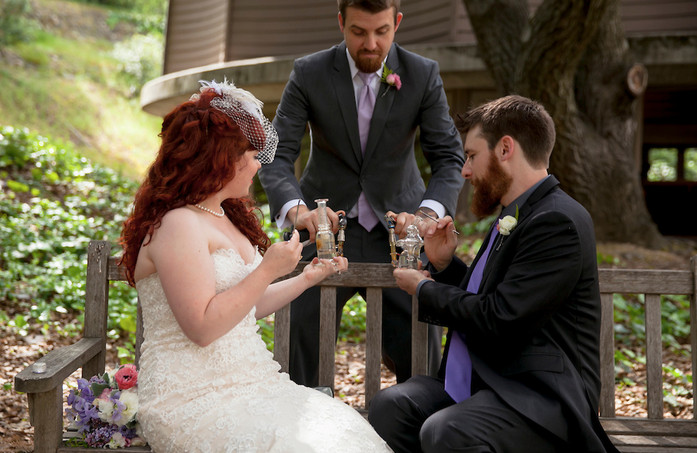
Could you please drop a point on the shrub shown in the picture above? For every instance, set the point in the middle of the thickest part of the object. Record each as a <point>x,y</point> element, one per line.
<point>14,23</point>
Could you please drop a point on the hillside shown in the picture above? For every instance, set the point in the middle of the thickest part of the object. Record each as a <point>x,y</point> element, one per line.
<point>67,83</point>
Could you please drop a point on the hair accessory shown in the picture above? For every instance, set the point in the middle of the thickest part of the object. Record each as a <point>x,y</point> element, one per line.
<point>245,110</point>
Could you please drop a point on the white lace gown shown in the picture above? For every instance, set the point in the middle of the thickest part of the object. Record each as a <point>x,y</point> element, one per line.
<point>230,395</point>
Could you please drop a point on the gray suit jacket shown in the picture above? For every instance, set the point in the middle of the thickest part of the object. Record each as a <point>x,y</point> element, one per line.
<point>320,92</point>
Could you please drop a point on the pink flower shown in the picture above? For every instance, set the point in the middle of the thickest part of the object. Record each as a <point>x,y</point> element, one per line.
<point>126,377</point>
<point>390,78</point>
<point>394,80</point>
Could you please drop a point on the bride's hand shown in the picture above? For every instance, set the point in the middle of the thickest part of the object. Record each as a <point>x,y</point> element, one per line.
<point>320,269</point>
<point>282,257</point>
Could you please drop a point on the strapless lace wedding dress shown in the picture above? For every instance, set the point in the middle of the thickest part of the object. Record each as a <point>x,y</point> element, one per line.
<point>230,395</point>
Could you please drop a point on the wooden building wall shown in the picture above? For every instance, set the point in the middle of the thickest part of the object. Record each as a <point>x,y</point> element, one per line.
<point>207,32</point>
<point>214,31</point>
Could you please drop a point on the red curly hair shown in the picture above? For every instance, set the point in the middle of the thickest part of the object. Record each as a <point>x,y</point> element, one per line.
<point>200,147</point>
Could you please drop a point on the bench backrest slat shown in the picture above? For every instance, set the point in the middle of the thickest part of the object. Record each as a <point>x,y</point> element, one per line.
<point>607,357</point>
<point>654,362</point>
<point>372,276</point>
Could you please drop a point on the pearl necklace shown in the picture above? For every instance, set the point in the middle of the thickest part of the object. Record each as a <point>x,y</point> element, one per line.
<point>217,214</point>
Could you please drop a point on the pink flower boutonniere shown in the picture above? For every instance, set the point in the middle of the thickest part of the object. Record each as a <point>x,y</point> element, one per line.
<point>391,78</point>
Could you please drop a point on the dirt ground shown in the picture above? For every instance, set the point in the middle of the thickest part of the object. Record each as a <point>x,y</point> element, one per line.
<point>16,434</point>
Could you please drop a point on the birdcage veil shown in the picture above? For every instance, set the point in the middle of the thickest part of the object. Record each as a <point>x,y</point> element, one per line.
<point>245,111</point>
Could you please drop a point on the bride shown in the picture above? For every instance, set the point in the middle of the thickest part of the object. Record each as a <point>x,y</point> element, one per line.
<point>203,268</point>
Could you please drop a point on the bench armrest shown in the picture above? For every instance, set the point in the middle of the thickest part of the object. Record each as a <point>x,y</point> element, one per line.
<point>60,363</point>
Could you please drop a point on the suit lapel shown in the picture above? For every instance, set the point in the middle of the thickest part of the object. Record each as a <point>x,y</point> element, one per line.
<point>523,212</point>
<point>383,105</point>
<point>343,89</point>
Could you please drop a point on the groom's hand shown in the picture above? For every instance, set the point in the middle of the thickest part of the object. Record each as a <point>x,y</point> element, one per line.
<point>409,279</point>
<point>440,242</point>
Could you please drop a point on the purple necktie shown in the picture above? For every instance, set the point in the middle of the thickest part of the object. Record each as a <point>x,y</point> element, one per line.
<point>366,103</point>
<point>458,368</point>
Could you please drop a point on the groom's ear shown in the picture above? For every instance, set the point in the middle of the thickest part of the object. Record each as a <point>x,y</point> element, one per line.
<point>341,22</point>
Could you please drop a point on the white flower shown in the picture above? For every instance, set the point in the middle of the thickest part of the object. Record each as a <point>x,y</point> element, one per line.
<point>129,398</point>
<point>105,408</point>
<point>117,441</point>
<point>506,225</point>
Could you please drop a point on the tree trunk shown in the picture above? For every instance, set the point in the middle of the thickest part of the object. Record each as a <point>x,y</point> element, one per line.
<point>573,58</point>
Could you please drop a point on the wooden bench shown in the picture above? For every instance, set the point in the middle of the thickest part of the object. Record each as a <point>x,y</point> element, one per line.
<point>630,434</point>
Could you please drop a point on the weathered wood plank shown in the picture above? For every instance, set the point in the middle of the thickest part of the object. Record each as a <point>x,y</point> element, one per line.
<point>60,363</point>
<point>281,337</point>
<point>419,341</point>
<point>327,336</point>
<point>693,330</point>
<point>663,427</point>
<point>96,302</point>
<point>139,332</point>
<point>72,433</point>
<point>116,273</point>
<point>46,415</point>
<point>653,449</point>
<point>359,275</point>
<point>66,449</point>
<point>670,440</point>
<point>654,368</point>
<point>641,281</point>
<point>607,357</point>
<point>373,343</point>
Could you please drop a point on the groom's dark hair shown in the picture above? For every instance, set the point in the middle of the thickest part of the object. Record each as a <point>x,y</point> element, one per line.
<point>372,6</point>
<point>523,119</point>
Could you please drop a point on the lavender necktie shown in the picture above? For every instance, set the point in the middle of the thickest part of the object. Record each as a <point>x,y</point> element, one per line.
<point>458,368</point>
<point>366,103</point>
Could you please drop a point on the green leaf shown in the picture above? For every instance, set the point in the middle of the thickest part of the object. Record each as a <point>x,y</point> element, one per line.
<point>17,186</point>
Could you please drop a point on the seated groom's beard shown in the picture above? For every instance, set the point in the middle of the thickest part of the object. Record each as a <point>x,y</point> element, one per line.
<point>489,190</point>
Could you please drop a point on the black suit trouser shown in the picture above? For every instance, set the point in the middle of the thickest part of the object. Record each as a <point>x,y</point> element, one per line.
<point>419,416</point>
<point>360,246</point>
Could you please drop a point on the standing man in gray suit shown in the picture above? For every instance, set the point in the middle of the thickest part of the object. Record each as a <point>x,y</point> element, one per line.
<point>362,159</point>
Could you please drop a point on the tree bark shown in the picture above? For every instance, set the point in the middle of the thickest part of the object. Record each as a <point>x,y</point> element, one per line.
<point>572,57</point>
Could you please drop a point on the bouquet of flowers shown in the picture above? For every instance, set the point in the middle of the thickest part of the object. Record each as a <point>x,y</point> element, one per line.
<point>104,410</point>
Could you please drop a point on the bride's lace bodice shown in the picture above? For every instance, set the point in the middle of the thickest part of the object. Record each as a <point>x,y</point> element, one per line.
<point>230,396</point>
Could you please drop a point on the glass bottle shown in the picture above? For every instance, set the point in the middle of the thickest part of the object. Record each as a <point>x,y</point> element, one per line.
<point>324,239</point>
<point>411,248</point>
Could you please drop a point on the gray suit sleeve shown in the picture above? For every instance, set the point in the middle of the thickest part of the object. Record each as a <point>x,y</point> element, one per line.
<point>441,144</point>
<point>278,178</point>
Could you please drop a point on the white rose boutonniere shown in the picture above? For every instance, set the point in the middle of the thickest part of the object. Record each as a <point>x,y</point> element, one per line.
<point>506,225</point>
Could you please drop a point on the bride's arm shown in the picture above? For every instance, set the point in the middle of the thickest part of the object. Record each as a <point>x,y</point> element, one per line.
<point>182,258</point>
<point>281,293</point>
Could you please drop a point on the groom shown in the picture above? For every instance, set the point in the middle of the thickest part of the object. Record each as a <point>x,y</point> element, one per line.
<point>520,369</point>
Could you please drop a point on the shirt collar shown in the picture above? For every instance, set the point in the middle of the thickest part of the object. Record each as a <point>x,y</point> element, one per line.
<point>522,198</point>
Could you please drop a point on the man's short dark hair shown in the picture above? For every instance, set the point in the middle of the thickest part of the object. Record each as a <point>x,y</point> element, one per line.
<point>523,119</point>
<point>372,6</point>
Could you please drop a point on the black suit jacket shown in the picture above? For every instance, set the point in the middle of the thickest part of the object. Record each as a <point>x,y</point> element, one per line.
<point>533,329</point>
<point>320,92</point>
